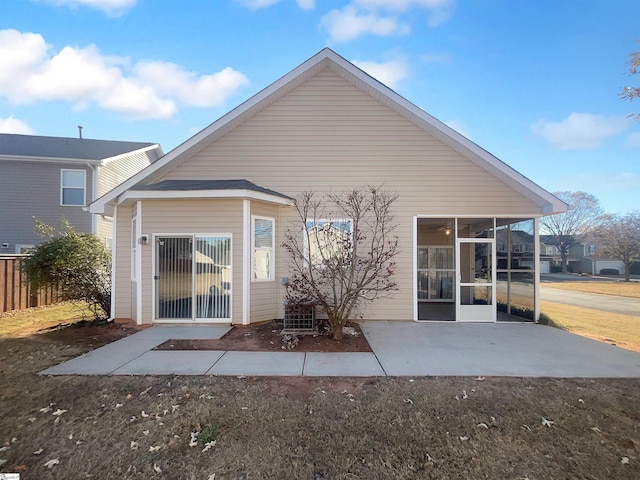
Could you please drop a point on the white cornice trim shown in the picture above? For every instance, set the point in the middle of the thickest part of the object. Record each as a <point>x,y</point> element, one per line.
<point>196,194</point>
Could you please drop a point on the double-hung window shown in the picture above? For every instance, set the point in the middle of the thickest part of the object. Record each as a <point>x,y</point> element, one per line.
<point>72,187</point>
<point>262,239</point>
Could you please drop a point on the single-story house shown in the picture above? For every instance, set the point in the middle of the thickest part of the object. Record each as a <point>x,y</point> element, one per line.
<point>198,234</point>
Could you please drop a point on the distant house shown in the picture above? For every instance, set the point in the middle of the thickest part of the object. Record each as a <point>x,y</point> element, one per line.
<point>53,177</point>
<point>198,234</point>
<point>584,257</point>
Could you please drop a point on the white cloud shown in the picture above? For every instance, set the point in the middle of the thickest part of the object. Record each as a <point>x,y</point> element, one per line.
<point>633,140</point>
<point>439,10</point>
<point>111,7</point>
<point>390,73</point>
<point>382,17</point>
<point>458,127</point>
<point>257,4</point>
<point>351,22</point>
<point>13,125</point>
<point>86,76</point>
<point>579,131</point>
<point>188,87</point>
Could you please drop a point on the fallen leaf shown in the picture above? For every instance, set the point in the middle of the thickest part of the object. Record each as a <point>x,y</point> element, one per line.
<point>118,405</point>
<point>78,442</point>
<point>174,408</point>
<point>134,445</point>
<point>407,400</point>
<point>145,432</point>
<point>479,379</point>
<point>483,425</point>
<point>194,439</point>
<point>596,429</point>
<point>546,423</point>
<point>144,392</point>
<point>244,408</point>
<point>32,419</point>
<point>51,463</point>
<point>45,409</point>
<point>624,460</point>
<point>213,475</point>
<point>464,438</point>
<point>144,415</point>
<point>155,448</point>
<point>39,451</point>
<point>4,449</point>
<point>527,427</point>
<point>580,400</point>
<point>208,445</point>
<point>156,468</point>
<point>59,412</point>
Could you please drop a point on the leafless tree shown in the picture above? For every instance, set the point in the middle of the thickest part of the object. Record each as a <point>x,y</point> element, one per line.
<point>619,236</point>
<point>631,93</point>
<point>341,250</point>
<point>571,227</point>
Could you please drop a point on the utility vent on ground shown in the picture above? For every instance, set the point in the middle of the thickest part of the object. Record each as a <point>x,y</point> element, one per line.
<point>299,318</point>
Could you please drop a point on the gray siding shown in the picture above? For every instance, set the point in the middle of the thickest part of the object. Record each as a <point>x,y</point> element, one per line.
<point>32,189</point>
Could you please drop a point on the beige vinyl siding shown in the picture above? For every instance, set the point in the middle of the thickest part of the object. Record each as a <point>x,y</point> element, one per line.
<point>124,288</point>
<point>166,217</point>
<point>265,295</point>
<point>113,174</point>
<point>327,135</point>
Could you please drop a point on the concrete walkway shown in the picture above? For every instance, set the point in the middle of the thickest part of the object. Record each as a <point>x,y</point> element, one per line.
<point>399,349</point>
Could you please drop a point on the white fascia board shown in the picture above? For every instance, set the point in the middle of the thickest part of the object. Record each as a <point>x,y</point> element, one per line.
<point>195,194</point>
<point>155,146</point>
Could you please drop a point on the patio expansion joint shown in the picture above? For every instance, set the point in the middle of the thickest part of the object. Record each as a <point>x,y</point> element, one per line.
<point>135,358</point>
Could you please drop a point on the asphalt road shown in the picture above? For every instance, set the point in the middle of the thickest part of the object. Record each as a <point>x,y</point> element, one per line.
<point>606,303</point>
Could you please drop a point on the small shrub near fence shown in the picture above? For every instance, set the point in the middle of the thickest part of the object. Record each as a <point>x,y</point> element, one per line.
<point>15,294</point>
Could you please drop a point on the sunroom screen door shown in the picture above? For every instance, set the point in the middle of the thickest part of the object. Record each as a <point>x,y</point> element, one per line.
<point>193,278</point>
<point>476,299</point>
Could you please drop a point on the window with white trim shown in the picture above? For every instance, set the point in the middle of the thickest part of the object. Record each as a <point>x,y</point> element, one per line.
<point>73,187</point>
<point>262,246</point>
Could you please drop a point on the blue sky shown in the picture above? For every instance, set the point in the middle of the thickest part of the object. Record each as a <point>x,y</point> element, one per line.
<point>533,82</point>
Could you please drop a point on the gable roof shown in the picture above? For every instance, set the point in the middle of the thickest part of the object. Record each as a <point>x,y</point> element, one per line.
<point>34,147</point>
<point>327,58</point>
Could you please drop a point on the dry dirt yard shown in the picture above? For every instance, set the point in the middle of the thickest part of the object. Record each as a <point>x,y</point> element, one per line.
<point>304,428</point>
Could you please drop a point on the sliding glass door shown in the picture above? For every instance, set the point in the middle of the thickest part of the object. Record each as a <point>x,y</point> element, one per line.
<point>193,277</point>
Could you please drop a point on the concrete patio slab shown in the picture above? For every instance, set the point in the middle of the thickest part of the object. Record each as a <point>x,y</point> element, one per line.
<point>355,364</point>
<point>418,349</point>
<point>105,360</point>
<point>259,363</point>
<point>163,362</point>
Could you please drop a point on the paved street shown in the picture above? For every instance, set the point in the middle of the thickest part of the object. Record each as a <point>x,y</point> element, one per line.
<point>606,303</point>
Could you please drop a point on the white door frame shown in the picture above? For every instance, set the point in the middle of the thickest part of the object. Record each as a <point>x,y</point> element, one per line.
<point>476,313</point>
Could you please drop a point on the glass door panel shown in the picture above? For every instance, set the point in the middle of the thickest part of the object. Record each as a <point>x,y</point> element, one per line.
<point>476,286</point>
<point>193,278</point>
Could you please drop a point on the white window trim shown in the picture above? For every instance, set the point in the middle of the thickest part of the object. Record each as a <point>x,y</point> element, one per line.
<point>272,248</point>
<point>20,246</point>
<point>84,187</point>
<point>134,248</point>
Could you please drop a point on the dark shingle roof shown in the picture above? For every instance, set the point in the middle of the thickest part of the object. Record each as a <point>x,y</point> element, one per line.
<point>185,185</point>
<point>61,147</point>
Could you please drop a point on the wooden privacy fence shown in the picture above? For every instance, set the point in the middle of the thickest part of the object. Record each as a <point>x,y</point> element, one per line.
<point>15,294</point>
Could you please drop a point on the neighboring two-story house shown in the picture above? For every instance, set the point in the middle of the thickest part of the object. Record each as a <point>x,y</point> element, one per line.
<point>584,257</point>
<point>52,177</point>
